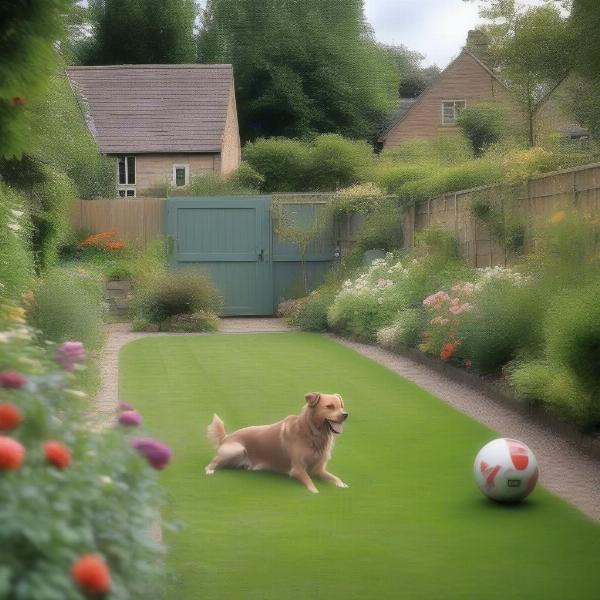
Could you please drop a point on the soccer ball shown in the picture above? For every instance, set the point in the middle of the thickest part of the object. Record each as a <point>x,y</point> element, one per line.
<point>506,470</point>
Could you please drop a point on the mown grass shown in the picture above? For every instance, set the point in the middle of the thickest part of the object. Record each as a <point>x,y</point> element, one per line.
<point>412,525</point>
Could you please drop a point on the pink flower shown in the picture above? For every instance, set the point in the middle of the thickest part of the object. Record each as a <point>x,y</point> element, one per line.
<point>130,418</point>
<point>466,307</point>
<point>455,310</point>
<point>70,354</point>
<point>12,380</point>
<point>125,406</point>
<point>155,452</point>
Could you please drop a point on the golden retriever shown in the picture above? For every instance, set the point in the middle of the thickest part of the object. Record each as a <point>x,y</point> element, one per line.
<point>297,445</point>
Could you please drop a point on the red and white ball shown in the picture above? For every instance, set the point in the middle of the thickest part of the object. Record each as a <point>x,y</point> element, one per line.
<point>506,470</point>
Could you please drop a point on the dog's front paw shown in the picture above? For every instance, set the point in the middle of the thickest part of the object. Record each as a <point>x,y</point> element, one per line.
<point>209,471</point>
<point>341,484</point>
<point>313,490</point>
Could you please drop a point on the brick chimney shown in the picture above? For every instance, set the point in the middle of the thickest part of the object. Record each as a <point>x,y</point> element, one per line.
<point>478,43</point>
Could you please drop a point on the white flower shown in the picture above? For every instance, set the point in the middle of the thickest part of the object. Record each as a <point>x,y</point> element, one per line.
<point>105,479</point>
<point>380,300</point>
<point>75,393</point>
<point>14,227</point>
<point>17,213</point>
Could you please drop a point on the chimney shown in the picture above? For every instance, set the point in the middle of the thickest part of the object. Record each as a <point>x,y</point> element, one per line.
<point>478,43</point>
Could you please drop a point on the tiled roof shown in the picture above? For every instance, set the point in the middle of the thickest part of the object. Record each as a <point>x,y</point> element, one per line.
<point>155,108</point>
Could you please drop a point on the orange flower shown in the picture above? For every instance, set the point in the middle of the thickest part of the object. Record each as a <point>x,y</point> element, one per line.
<point>12,453</point>
<point>447,351</point>
<point>92,574</point>
<point>115,245</point>
<point>10,416</point>
<point>57,454</point>
<point>18,100</point>
<point>98,240</point>
<point>558,217</point>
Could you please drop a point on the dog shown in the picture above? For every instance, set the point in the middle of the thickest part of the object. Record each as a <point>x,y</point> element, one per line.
<point>297,445</point>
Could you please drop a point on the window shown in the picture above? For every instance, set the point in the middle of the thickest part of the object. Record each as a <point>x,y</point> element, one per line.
<point>126,166</point>
<point>181,175</point>
<point>450,111</point>
<point>127,192</point>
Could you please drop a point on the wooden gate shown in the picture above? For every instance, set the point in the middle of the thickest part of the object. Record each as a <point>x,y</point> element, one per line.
<point>233,238</point>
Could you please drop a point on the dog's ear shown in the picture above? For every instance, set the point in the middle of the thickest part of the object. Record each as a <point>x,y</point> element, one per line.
<point>312,398</point>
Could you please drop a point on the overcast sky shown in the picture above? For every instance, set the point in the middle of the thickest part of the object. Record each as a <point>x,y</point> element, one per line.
<point>436,28</point>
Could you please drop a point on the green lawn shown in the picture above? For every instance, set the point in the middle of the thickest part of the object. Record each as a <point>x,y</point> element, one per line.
<point>411,526</point>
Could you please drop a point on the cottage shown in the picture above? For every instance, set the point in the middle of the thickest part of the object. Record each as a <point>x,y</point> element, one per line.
<point>466,81</point>
<point>161,123</point>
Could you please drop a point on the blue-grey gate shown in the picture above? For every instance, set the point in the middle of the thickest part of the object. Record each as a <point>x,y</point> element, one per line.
<point>234,239</point>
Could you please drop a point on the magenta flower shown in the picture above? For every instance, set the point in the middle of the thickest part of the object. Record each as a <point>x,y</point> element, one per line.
<point>70,354</point>
<point>155,452</point>
<point>130,418</point>
<point>125,406</point>
<point>12,380</point>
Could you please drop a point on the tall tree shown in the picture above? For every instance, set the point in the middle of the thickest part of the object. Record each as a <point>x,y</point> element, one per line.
<point>414,78</point>
<point>530,48</point>
<point>585,90</point>
<point>140,32</point>
<point>301,66</point>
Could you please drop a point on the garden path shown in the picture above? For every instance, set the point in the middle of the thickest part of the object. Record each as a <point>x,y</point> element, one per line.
<point>565,469</point>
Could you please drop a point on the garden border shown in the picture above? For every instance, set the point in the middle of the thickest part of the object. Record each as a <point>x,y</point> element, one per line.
<point>502,394</point>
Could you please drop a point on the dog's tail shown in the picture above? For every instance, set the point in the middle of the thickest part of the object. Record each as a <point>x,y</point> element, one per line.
<point>216,431</point>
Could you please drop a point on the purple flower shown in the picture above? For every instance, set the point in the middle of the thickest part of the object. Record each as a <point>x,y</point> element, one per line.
<point>125,406</point>
<point>12,380</point>
<point>155,452</point>
<point>70,354</point>
<point>130,418</point>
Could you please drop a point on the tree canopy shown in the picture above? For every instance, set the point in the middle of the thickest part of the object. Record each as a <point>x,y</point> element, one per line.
<point>301,67</point>
<point>139,32</point>
<point>414,78</point>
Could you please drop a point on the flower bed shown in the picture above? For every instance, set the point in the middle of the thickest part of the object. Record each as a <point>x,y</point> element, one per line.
<point>76,505</point>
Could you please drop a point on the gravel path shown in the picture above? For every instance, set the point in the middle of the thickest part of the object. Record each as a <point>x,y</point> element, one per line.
<point>564,469</point>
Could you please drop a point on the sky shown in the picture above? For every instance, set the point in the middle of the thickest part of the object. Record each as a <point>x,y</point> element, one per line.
<point>435,28</point>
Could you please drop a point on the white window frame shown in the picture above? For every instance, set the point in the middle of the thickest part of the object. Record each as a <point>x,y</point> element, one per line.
<point>186,167</point>
<point>454,102</point>
<point>126,187</point>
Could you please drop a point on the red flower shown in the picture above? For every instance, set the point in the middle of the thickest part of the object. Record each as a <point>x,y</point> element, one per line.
<point>447,351</point>
<point>92,574</point>
<point>12,380</point>
<point>57,454</point>
<point>10,416</point>
<point>19,100</point>
<point>12,453</point>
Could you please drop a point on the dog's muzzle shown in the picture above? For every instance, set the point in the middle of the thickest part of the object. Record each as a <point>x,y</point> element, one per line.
<point>335,427</point>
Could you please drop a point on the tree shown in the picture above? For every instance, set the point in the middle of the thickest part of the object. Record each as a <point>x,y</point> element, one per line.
<point>414,78</point>
<point>584,26</point>
<point>484,124</point>
<point>140,32</point>
<point>530,48</point>
<point>301,67</point>
<point>29,30</point>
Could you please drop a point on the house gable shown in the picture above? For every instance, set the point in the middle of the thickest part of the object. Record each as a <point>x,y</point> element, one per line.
<point>467,79</point>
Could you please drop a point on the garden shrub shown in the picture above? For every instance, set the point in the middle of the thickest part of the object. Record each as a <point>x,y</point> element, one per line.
<point>283,163</point>
<point>572,333</point>
<point>214,184</point>
<point>67,492</point>
<point>393,176</point>
<point>16,258</point>
<point>197,322</point>
<point>555,385</point>
<point>337,162</point>
<point>484,124</point>
<point>67,304</point>
<point>405,330</point>
<point>505,320</point>
<point>171,293</point>
<point>245,177</point>
<point>290,309</point>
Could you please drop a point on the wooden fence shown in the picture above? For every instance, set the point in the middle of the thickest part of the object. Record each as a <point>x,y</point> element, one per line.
<point>141,220</point>
<point>533,204</point>
<point>137,220</point>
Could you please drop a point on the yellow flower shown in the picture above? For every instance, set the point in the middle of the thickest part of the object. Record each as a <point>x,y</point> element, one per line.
<point>14,313</point>
<point>558,217</point>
